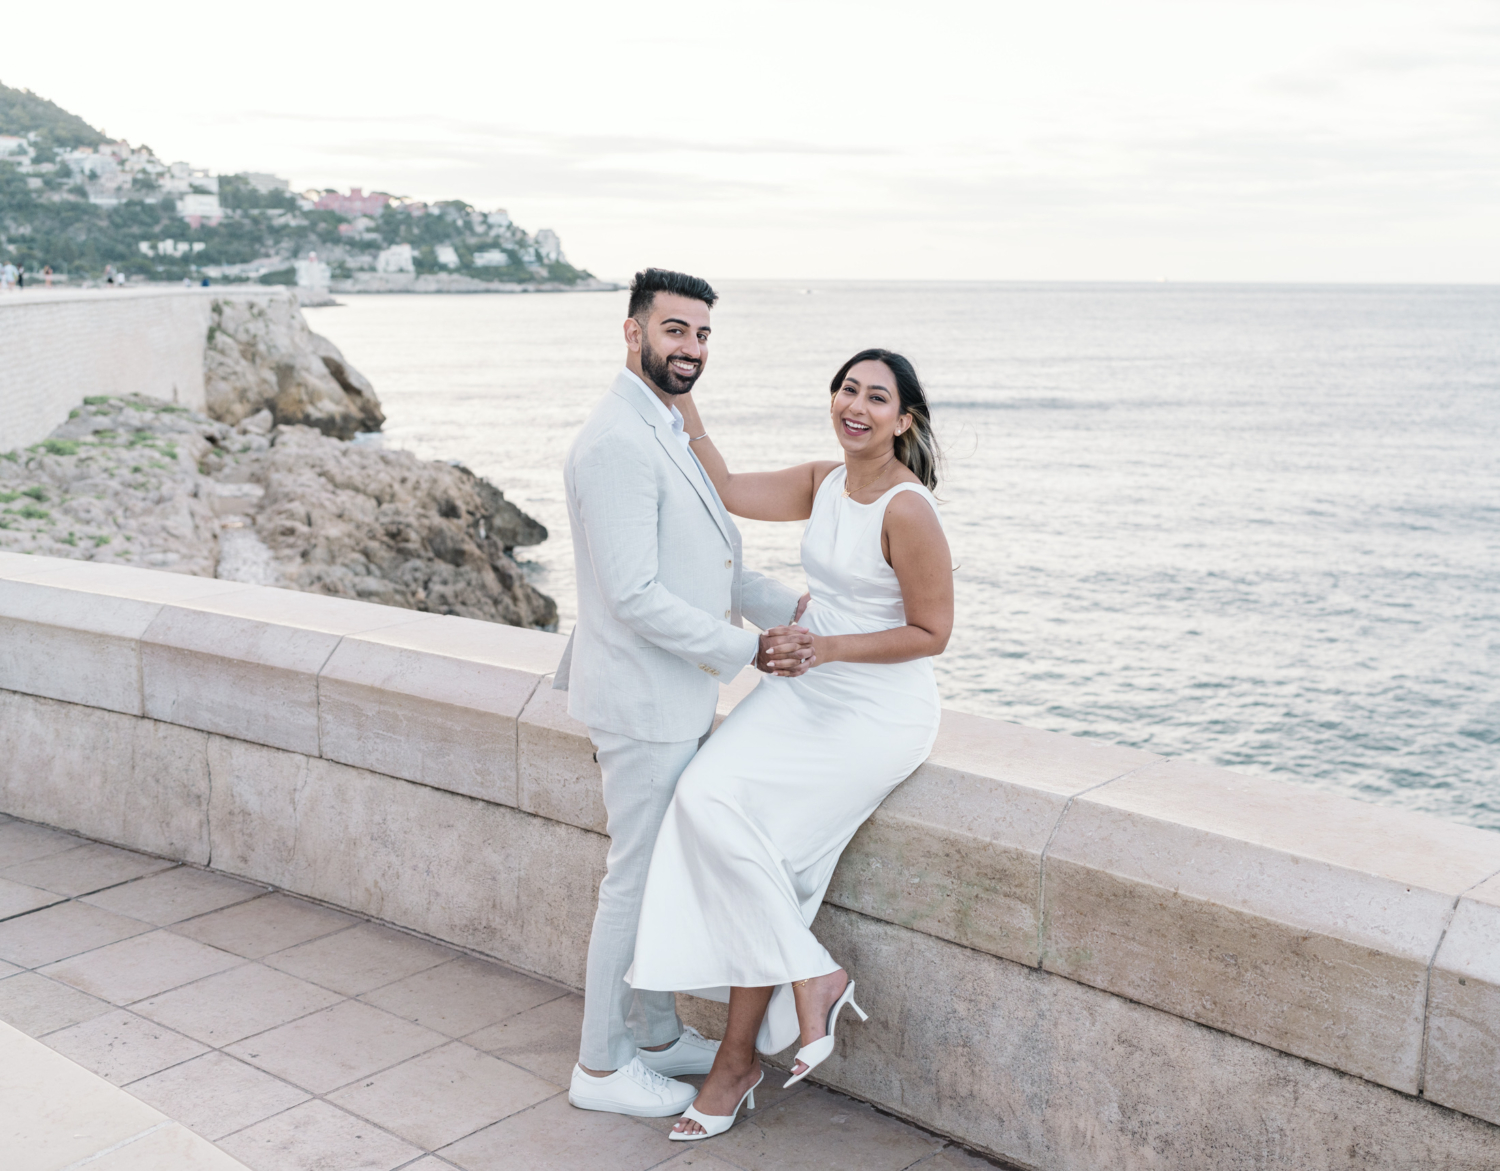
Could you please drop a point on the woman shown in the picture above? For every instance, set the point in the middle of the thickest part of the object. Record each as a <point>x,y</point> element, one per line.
<point>763,812</point>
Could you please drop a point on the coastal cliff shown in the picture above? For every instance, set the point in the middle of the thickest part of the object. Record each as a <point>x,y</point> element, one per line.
<point>261,355</point>
<point>138,481</point>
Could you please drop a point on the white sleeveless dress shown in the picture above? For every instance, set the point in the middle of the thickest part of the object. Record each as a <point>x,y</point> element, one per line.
<point>761,815</point>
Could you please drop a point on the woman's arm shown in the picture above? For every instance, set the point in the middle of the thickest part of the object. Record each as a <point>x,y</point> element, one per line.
<point>784,495</point>
<point>918,551</point>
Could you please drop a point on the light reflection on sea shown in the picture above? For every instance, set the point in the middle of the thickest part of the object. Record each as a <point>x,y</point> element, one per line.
<point>1256,526</point>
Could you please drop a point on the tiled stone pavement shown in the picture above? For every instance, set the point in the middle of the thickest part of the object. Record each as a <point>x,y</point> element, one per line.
<point>299,1038</point>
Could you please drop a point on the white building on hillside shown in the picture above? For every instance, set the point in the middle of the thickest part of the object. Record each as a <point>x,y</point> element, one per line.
<point>396,258</point>
<point>312,273</point>
<point>492,258</point>
<point>549,246</point>
<point>198,208</point>
<point>183,179</point>
<point>265,183</point>
<point>447,255</point>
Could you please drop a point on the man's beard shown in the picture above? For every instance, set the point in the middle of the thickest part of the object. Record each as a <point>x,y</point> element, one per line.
<point>662,374</point>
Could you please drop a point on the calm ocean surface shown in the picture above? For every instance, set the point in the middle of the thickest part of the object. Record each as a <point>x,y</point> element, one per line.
<point>1256,526</point>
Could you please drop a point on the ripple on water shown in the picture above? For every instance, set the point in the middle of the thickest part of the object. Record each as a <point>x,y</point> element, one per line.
<point>1251,525</point>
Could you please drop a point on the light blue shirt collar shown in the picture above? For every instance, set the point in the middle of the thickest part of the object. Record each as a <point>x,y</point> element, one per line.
<point>671,414</point>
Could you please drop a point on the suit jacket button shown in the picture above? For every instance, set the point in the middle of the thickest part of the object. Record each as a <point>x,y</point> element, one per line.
<point>726,613</point>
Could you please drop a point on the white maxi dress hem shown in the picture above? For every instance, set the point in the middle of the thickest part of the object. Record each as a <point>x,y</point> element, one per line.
<point>761,815</point>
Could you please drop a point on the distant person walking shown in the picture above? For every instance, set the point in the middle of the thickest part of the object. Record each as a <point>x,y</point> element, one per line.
<point>20,276</point>
<point>47,276</point>
<point>8,276</point>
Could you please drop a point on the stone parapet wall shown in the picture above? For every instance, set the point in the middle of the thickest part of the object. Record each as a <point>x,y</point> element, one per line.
<point>1076,955</point>
<point>59,346</point>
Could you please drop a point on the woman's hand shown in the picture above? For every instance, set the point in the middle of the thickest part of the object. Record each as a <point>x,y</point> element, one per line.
<point>786,650</point>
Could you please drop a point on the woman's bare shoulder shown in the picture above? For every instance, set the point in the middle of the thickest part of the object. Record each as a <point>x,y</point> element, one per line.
<point>912,511</point>
<point>820,470</point>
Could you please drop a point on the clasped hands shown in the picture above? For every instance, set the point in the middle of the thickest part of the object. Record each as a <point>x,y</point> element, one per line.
<point>787,650</point>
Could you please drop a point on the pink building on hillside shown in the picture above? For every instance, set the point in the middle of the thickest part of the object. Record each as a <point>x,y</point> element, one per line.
<point>355,203</point>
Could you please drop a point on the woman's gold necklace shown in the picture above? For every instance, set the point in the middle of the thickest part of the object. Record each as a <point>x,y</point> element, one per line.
<point>848,491</point>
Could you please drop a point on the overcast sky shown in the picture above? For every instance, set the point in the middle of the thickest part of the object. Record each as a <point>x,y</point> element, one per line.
<point>1210,140</point>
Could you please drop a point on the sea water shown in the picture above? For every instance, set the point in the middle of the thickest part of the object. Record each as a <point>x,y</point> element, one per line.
<point>1255,526</point>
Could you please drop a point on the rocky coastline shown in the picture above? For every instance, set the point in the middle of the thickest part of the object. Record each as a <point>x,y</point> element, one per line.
<point>445,282</point>
<point>266,488</point>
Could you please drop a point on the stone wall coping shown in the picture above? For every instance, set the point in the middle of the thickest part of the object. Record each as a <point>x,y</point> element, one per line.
<point>1303,921</point>
<point>1294,819</point>
<point>62,293</point>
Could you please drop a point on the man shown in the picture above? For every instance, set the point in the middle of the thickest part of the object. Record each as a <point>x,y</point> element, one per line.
<point>660,595</point>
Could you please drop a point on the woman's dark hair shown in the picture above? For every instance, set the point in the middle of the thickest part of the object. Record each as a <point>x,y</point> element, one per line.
<point>650,281</point>
<point>916,447</point>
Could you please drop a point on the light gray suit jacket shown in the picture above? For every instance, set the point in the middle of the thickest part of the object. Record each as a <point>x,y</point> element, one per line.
<point>661,588</point>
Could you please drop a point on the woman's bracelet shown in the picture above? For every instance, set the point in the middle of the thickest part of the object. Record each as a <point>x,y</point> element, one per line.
<point>695,438</point>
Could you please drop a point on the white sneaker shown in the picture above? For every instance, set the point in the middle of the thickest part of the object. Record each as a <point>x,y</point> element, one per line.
<point>692,1052</point>
<point>633,1090</point>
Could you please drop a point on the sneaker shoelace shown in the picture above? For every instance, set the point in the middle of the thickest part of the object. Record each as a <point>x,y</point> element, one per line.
<point>646,1077</point>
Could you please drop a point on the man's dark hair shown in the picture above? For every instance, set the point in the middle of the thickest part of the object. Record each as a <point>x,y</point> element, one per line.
<point>648,282</point>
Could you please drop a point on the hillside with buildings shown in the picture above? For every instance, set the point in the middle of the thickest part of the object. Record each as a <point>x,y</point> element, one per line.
<point>89,207</point>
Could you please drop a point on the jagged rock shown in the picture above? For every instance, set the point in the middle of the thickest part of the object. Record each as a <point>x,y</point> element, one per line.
<point>360,522</point>
<point>262,356</point>
<point>136,481</point>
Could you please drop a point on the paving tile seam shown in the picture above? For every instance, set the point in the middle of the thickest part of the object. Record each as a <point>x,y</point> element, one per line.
<point>362,917</point>
<point>313,1096</point>
<point>884,1111</point>
<point>150,995</point>
<point>673,1154</point>
<point>145,1020</point>
<point>150,1130</point>
<point>245,962</point>
<point>451,1142</point>
<point>333,1089</point>
<point>358,916</point>
<point>35,910</point>
<point>355,919</point>
<point>497,1121</point>
<point>174,1065</point>
<point>287,1110</point>
<point>173,864</point>
<point>323,1094</point>
<point>272,890</point>
<point>62,898</point>
<point>223,1046</point>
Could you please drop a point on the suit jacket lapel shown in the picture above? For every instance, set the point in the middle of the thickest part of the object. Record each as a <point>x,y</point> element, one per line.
<point>686,462</point>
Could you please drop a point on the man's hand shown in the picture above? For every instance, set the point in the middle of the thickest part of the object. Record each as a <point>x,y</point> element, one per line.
<point>786,650</point>
<point>801,607</point>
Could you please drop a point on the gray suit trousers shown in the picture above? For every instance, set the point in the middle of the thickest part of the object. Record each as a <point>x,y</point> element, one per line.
<point>640,777</point>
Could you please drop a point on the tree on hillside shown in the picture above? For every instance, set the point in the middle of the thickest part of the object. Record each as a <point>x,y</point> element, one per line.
<point>22,112</point>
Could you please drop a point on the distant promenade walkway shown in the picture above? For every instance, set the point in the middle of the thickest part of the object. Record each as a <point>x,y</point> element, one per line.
<point>299,1038</point>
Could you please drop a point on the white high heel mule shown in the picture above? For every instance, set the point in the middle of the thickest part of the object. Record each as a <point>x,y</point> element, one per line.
<point>821,1050</point>
<point>713,1124</point>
